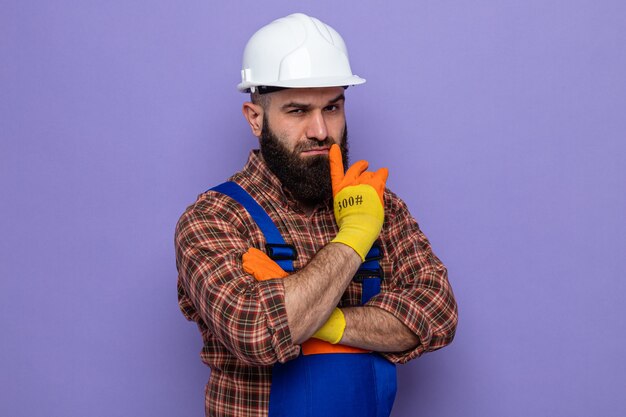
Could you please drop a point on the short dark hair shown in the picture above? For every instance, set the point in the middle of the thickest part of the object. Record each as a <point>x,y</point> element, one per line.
<point>262,100</point>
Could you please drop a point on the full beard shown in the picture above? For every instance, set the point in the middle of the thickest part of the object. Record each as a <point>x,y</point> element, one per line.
<point>307,179</point>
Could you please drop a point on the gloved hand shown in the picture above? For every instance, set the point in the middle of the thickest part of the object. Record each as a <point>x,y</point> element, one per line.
<point>262,268</point>
<point>358,202</point>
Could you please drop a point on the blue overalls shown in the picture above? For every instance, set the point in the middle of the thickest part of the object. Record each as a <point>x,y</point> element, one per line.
<point>324,385</point>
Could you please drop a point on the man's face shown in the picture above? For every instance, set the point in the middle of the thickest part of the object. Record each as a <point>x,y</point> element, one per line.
<point>299,126</point>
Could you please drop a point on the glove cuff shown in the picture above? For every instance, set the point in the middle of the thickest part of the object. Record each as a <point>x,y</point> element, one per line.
<point>332,330</point>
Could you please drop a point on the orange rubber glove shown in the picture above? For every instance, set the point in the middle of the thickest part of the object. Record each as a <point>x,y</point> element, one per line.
<point>261,266</point>
<point>358,202</point>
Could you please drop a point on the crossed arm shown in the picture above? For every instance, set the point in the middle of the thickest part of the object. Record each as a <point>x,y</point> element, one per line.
<point>415,313</point>
<point>312,293</point>
<point>259,321</point>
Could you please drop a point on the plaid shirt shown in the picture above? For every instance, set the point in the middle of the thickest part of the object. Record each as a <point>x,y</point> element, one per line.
<point>243,321</point>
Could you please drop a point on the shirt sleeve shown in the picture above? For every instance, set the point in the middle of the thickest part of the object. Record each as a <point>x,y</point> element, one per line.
<point>419,294</point>
<point>247,316</point>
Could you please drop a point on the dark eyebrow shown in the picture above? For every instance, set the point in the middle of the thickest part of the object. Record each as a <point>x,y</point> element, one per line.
<point>340,97</point>
<point>295,105</point>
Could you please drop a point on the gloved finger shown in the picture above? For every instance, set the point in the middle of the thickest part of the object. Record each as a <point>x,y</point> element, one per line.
<point>263,272</point>
<point>381,175</point>
<point>365,178</point>
<point>252,261</point>
<point>354,172</point>
<point>336,167</point>
<point>254,255</point>
<point>379,180</point>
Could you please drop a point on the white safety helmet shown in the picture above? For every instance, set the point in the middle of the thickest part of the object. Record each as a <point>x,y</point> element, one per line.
<point>296,51</point>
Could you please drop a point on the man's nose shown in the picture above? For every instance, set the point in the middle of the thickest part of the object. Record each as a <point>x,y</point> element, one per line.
<point>316,128</point>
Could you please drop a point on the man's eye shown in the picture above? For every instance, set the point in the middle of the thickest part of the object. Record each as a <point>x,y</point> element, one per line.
<point>332,107</point>
<point>296,111</point>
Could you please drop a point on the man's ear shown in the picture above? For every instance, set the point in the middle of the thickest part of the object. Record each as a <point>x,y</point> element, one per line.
<point>254,115</point>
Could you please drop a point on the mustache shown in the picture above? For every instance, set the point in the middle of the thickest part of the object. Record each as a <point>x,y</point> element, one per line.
<point>313,144</point>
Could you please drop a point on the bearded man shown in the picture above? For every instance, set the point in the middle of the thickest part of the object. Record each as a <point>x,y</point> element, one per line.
<point>307,283</point>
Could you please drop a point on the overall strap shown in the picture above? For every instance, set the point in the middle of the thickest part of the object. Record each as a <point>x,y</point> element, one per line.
<point>276,248</point>
<point>370,274</point>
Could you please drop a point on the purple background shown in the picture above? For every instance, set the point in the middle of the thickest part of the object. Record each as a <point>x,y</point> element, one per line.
<point>503,125</point>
